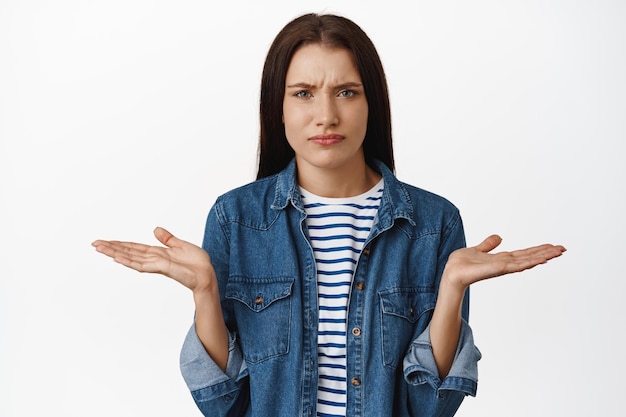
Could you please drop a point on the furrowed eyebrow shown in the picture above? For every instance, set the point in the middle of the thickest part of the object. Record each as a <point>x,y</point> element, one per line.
<point>348,85</point>
<point>337,87</point>
<point>300,85</point>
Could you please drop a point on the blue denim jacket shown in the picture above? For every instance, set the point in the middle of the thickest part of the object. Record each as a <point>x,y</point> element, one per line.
<point>267,281</point>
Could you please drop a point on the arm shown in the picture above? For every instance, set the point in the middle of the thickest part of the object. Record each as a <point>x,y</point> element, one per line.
<point>189,265</point>
<point>440,366</point>
<point>465,267</point>
<point>211,361</point>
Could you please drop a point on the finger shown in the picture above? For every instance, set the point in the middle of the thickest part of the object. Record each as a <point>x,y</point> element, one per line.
<point>166,238</point>
<point>142,258</point>
<point>529,258</point>
<point>140,264</point>
<point>151,260</point>
<point>112,248</point>
<point>539,253</point>
<point>489,244</point>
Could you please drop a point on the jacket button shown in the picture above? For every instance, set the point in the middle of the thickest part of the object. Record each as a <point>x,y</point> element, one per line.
<point>356,331</point>
<point>366,251</point>
<point>258,300</point>
<point>360,285</point>
<point>356,382</point>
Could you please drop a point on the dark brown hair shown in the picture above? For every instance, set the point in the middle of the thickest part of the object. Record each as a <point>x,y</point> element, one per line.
<point>329,30</point>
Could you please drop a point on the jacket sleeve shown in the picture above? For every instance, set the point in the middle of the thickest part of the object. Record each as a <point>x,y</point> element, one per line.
<point>217,393</point>
<point>429,396</point>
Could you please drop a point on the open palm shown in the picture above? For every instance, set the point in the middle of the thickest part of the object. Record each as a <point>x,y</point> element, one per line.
<point>469,265</point>
<point>180,260</point>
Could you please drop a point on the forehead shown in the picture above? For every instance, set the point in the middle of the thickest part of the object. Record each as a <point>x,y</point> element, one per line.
<point>320,61</point>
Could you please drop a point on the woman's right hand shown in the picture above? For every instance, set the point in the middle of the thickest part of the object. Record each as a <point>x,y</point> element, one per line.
<point>191,266</point>
<point>180,260</point>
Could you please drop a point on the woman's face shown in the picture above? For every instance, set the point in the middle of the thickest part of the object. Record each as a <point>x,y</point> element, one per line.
<point>325,109</point>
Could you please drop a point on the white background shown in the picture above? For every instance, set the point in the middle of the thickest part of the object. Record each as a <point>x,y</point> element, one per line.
<point>117,116</point>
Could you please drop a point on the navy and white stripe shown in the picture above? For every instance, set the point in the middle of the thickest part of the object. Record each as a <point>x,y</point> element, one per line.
<point>338,228</point>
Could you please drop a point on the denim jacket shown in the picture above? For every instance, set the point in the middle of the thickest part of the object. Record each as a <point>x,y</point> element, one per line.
<point>265,267</point>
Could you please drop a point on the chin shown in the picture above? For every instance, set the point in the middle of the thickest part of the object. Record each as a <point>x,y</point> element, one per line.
<point>333,162</point>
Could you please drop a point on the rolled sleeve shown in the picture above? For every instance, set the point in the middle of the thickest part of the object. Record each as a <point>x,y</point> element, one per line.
<point>420,367</point>
<point>200,372</point>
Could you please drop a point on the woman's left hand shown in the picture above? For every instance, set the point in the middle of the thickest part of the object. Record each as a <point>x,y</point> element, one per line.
<point>469,265</point>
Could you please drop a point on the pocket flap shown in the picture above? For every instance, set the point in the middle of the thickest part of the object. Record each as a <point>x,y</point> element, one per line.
<point>408,303</point>
<point>258,294</point>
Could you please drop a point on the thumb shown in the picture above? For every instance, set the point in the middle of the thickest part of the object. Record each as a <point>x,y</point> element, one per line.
<point>489,244</point>
<point>166,237</point>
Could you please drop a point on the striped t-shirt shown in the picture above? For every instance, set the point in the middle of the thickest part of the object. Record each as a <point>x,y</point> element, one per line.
<point>338,228</point>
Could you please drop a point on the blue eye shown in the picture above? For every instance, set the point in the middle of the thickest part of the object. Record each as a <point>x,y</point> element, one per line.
<point>302,94</point>
<point>347,93</point>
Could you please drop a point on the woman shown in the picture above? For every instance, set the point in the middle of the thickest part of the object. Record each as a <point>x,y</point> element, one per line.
<point>327,286</point>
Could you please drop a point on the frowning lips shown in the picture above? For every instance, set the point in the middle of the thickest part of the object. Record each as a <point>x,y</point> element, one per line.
<point>327,139</point>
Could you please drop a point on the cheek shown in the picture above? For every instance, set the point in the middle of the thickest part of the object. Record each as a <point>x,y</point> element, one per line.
<point>289,126</point>
<point>359,119</point>
<point>293,119</point>
<point>365,116</point>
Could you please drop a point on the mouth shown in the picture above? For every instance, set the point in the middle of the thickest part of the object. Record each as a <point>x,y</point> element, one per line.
<point>326,139</point>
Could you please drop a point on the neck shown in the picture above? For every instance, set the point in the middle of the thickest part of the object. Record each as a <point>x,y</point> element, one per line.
<point>344,181</point>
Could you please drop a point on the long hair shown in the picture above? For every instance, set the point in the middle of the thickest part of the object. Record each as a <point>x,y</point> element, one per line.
<point>328,30</point>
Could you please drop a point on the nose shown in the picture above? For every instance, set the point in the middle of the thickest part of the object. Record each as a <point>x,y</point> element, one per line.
<point>326,112</point>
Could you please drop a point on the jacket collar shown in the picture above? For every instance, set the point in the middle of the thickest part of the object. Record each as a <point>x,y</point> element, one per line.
<point>395,203</point>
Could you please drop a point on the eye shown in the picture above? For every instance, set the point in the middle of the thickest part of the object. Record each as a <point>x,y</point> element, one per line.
<point>302,94</point>
<point>347,93</point>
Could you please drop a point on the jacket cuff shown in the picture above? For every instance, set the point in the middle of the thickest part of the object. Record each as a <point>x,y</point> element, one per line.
<point>420,367</point>
<point>200,372</point>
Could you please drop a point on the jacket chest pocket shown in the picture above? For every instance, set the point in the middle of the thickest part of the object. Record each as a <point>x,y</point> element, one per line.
<point>263,313</point>
<point>403,311</point>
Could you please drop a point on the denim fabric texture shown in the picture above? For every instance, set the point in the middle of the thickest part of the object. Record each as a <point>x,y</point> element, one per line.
<point>258,244</point>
